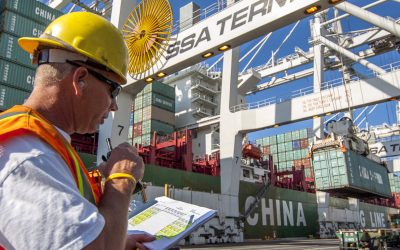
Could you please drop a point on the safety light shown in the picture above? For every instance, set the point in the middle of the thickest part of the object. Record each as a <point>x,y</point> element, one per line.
<point>312,9</point>
<point>316,116</point>
<point>276,125</point>
<point>329,113</point>
<point>161,74</point>
<point>334,1</point>
<point>224,47</point>
<point>208,54</point>
<point>149,79</point>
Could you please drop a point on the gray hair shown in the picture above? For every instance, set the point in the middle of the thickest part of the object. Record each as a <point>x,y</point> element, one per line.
<point>52,73</point>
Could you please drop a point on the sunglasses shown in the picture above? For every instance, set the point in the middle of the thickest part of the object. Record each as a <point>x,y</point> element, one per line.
<point>115,87</point>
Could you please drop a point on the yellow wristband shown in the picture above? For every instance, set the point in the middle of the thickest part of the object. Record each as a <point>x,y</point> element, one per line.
<point>121,175</point>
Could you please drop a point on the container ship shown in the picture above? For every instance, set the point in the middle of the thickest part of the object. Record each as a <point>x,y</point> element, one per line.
<point>193,126</point>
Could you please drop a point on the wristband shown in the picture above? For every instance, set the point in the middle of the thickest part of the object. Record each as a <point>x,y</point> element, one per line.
<point>121,175</point>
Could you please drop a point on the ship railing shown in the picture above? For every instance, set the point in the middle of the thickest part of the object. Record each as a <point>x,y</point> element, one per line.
<point>201,15</point>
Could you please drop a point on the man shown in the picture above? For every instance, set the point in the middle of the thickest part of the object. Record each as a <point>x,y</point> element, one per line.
<point>47,200</point>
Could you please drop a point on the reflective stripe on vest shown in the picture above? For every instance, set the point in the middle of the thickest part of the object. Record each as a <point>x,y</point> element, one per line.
<point>21,120</point>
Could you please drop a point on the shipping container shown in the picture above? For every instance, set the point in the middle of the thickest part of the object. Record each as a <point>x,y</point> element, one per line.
<point>130,132</point>
<point>272,140</point>
<point>295,135</point>
<point>11,96</point>
<point>17,76</point>
<point>138,115</point>
<point>303,134</point>
<point>259,142</point>
<point>265,150</point>
<point>281,147</point>
<point>349,174</point>
<point>296,144</point>
<point>137,129</point>
<point>297,154</point>
<point>138,103</point>
<point>156,113</point>
<point>394,181</point>
<point>280,138</point>
<point>18,25</point>
<point>160,88</point>
<point>32,9</point>
<point>303,143</point>
<point>288,146</point>
<point>288,136</point>
<point>150,126</point>
<point>273,149</point>
<point>146,139</point>
<point>137,140</point>
<point>9,49</point>
<point>160,101</point>
<point>289,155</point>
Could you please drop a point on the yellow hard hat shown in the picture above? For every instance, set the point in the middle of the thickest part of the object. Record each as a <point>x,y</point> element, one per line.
<point>84,33</point>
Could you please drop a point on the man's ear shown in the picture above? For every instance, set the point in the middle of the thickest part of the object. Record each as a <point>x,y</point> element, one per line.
<point>78,80</point>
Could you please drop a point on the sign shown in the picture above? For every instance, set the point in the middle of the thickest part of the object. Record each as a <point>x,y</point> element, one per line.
<point>385,149</point>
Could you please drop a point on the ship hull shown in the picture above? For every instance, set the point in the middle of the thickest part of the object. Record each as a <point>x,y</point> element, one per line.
<point>281,212</point>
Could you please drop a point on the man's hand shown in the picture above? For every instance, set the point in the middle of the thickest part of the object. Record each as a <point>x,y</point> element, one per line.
<point>135,241</point>
<point>124,159</point>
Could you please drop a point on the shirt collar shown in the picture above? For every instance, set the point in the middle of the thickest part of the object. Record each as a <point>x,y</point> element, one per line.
<point>64,134</point>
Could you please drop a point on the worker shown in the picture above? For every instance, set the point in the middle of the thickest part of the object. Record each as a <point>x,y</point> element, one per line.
<point>47,199</point>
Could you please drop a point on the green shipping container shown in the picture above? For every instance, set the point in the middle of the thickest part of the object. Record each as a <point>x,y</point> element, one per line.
<point>160,88</point>
<point>160,101</point>
<point>394,183</point>
<point>138,102</point>
<point>280,138</point>
<point>273,149</point>
<point>303,133</point>
<point>150,126</point>
<point>17,25</point>
<point>11,96</point>
<point>295,135</point>
<point>16,76</point>
<point>349,174</point>
<point>272,140</point>
<point>137,140</point>
<point>9,49</point>
<point>32,9</point>
<point>281,147</point>
<point>288,136</point>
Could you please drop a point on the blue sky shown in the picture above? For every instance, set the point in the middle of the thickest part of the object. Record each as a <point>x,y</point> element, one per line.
<point>384,113</point>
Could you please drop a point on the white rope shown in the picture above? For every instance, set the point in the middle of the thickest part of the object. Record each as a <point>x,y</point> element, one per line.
<point>283,42</point>
<point>372,110</point>
<point>255,47</point>
<point>215,63</point>
<point>255,54</point>
<point>359,115</point>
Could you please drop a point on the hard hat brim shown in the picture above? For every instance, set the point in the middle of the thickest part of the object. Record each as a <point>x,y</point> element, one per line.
<point>31,44</point>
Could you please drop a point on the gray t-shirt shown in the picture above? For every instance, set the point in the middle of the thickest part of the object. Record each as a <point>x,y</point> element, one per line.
<point>40,204</point>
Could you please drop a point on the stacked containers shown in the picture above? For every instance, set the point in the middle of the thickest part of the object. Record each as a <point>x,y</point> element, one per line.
<point>394,181</point>
<point>288,149</point>
<point>154,111</point>
<point>19,18</point>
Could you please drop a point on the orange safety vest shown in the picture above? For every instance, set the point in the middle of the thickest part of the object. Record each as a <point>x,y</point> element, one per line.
<point>21,120</point>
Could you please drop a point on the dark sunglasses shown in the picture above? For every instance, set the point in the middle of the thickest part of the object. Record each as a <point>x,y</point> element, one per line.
<point>115,87</point>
